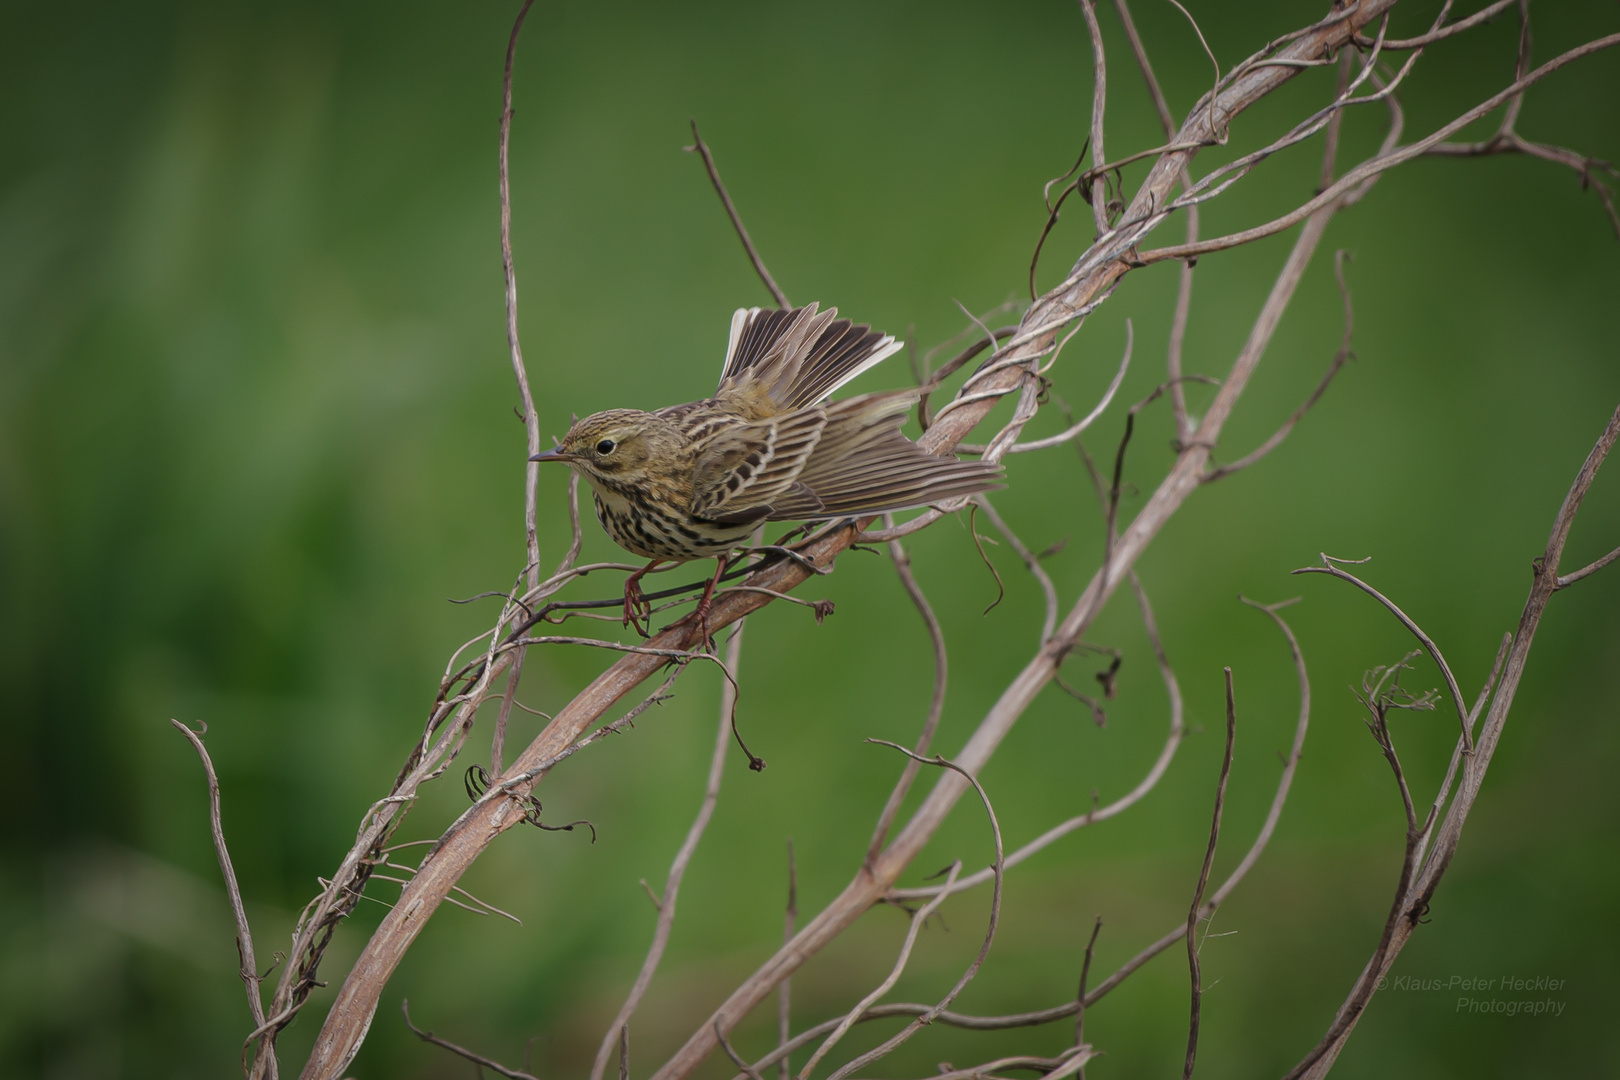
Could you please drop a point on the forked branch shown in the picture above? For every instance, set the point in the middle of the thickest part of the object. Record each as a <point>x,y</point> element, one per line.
<point>1419,887</point>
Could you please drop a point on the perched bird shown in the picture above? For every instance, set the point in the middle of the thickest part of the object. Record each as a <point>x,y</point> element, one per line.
<point>693,481</point>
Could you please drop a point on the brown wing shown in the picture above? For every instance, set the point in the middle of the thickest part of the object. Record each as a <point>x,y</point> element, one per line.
<point>778,361</point>
<point>742,468</point>
<point>862,464</point>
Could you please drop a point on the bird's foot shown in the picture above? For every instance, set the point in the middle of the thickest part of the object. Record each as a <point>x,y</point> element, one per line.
<point>700,615</point>
<point>637,610</point>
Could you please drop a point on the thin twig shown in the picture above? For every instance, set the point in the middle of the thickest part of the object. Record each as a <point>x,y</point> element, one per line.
<point>1031,563</point>
<point>1075,430</point>
<point>784,1017</point>
<point>1340,358</point>
<point>1143,787</point>
<point>1588,570</point>
<point>1284,783</point>
<point>736,219</point>
<point>950,367</point>
<point>1329,566</point>
<point>1214,90</point>
<point>1483,15</point>
<point>732,1054</point>
<point>248,968</point>
<point>1161,106</point>
<point>1066,1064</point>
<point>1511,142</point>
<point>497,748</point>
<point>1080,995</point>
<point>1203,880</point>
<point>471,1055</point>
<point>1378,705</point>
<point>1510,115</point>
<point>531,422</point>
<point>1458,751</point>
<point>1374,166</point>
<point>1055,211</point>
<point>1330,144</point>
<point>1099,96</point>
<point>978,544</point>
<point>1178,324</point>
<point>920,916</point>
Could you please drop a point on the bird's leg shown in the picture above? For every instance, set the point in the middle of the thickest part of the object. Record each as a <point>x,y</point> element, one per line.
<point>635,604</point>
<point>707,600</point>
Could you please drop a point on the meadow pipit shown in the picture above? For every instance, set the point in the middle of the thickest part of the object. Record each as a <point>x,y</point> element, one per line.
<point>693,481</point>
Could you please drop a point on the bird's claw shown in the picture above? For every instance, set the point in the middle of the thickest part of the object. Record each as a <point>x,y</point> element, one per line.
<point>637,610</point>
<point>700,615</point>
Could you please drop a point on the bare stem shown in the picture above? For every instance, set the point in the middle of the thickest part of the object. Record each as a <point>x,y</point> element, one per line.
<point>531,422</point>
<point>736,219</point>
<point>1203,881</point>
<point>1329,566</point>
<point>784,1016</point>
<point>248,969</point>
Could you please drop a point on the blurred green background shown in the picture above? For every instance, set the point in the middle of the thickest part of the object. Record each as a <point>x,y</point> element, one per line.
<point>256,425</point>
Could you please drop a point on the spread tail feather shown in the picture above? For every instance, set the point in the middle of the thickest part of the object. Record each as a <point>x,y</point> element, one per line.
<point>799,357</point>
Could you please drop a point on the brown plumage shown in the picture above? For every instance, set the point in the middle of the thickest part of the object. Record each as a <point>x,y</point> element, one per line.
<point>694,480</point>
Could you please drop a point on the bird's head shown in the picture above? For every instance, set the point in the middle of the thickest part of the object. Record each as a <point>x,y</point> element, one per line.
<point>615,445</point>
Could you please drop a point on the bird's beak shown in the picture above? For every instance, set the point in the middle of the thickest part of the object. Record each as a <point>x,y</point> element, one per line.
<point>556,453</point>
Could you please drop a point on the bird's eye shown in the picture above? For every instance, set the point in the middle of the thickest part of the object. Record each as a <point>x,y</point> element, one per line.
<point>605,446</point>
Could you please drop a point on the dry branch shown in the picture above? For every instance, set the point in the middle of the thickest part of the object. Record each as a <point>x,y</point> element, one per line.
<point>1420,881</point>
